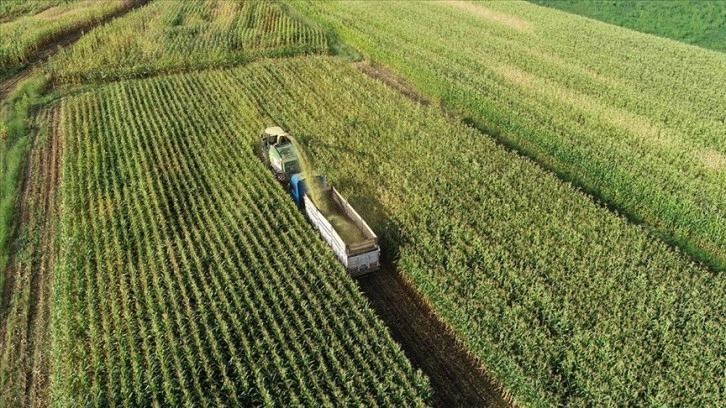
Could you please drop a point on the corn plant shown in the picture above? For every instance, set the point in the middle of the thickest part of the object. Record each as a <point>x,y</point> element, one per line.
<point>28,26</point>
<point>562,301</point>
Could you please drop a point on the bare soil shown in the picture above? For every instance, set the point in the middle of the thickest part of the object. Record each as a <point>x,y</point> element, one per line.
<point>456,378</point>
<point>393,81</point>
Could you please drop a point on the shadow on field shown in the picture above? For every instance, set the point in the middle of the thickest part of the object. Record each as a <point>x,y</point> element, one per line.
<point>456,378</point>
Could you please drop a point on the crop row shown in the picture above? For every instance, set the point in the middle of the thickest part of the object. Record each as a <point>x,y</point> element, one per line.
<point>175,36</point>
<point>691,21</point>
<point>636,120</point>
<point>563,302</point>
<point>22,36</point>
<point>12,9</point>
<point>186,275</point>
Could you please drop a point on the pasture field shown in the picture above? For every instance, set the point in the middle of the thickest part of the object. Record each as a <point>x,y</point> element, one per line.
<point>636,120</point>
<point>28,26</point>
<point>697,22</point>
<point>187,276</point>
<point>176,36</point>
<point>563,302</point>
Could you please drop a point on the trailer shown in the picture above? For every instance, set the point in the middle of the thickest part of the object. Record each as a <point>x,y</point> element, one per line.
<point>346,232</point>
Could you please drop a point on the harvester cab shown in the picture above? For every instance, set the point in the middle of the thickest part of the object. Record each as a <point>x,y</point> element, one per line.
<point>280,153</point>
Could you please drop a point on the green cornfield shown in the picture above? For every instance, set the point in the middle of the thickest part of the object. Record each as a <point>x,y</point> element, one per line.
<point>187,276</point>
<point>27,26</point>
<point>12,9</point>
<point>562,301</point>
<point>635,120</point>
<point>551,187</point>
<point>167,36</point>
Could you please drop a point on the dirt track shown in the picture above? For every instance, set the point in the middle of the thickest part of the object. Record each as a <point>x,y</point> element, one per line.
<point>457,380</point>
<point>24,323</point>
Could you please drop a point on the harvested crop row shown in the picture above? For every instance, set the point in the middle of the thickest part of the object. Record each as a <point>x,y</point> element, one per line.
<point>562,301</point>
<point>186,274</point>
<point>639,121</point>
<point>162,36</point>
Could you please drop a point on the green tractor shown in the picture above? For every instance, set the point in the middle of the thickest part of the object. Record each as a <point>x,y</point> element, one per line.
<point>279,153</point>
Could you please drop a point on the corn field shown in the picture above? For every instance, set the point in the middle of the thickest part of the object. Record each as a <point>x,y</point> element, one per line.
<point>12,9</point>
<point>638,121</point>
<point>27,26</point>
<point>163,35</point>
<point>563,302</point>
<point>187,276</point>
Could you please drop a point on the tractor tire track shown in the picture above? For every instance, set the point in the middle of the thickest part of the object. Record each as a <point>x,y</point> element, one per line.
<point>24,336</point>
<point>456,378</point>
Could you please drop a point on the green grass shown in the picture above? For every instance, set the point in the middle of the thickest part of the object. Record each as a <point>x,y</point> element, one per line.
<point>635,120</point>
<point>697,22</point>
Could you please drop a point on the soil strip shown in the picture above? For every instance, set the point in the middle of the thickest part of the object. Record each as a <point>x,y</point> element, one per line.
<point>392,80</point>
<point>457,379</point>
<point>24,336</point>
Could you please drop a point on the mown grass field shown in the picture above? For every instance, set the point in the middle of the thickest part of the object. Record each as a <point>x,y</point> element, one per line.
<point>697,22</point>
<point>636,120</point>
<point>175,36</point>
